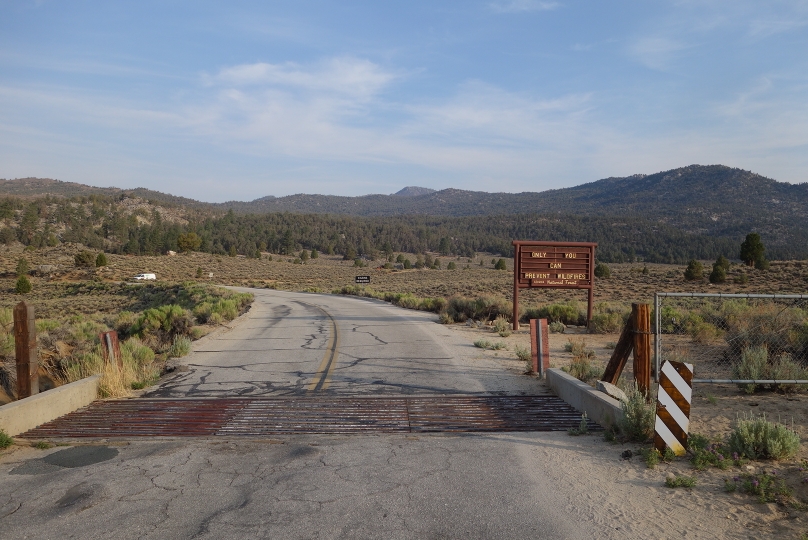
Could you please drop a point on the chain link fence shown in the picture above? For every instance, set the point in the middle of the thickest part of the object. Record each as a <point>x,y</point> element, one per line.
<point>753,339</point>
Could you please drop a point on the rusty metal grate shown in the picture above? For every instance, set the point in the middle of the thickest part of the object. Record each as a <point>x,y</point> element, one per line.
<point>259,417</point>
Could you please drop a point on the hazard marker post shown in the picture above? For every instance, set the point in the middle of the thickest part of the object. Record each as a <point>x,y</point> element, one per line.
<point>673,407</point>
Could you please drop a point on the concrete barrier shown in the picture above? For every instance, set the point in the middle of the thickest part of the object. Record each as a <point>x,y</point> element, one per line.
<point>603,409</point>
<point>20,416</point>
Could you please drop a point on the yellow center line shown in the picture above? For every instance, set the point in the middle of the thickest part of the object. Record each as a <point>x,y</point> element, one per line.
<point>322,378</point>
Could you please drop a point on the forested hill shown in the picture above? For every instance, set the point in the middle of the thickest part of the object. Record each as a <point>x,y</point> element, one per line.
<point>693,211</point>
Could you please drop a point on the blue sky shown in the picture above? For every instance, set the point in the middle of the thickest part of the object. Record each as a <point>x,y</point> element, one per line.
<point>237,100</point>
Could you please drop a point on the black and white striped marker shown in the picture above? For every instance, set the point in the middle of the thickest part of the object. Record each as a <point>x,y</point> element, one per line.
<point>673,406</point>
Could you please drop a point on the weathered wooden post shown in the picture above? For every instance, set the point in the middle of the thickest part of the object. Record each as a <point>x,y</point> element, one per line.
<point>641,317</point>
<point>111,349</point>
<point>25,348</point>
<point>539,346</point>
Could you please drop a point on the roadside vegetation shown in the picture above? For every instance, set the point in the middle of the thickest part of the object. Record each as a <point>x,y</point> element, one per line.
<point>157,322</point>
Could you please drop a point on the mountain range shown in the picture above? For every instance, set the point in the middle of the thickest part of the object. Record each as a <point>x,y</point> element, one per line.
<point>713,200</point>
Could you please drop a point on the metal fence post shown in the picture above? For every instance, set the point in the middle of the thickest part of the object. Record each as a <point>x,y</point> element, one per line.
<point>26,352</point>
<point>657,344</point>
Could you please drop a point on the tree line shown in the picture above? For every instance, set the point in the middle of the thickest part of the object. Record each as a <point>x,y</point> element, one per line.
<point>103,223</point>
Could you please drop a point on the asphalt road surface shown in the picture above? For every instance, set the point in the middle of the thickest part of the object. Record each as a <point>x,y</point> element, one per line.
<point>315,486</point>
<point>298,343</point>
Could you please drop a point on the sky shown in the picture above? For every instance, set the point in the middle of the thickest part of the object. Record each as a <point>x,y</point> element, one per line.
<point>238,100</point>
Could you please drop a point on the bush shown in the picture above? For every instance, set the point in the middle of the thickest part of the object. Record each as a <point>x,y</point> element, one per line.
<point>694,271</point>
<point>757,438</point>
<point>23,285</point>
<point>180,347</point>
<point>502,326</point>
<point>451,266</point>
<point>562,313</point>
<point>718,275</point>
<point>523,353</point>
<point>607,323</point>
<point>501,265</point>
<point>84,259</point>
<point>556,327</point>
<point>101,260</point>
<point>639,415</point>
<point>5,440</point>
<point>602,271</point>
<point>753,365</point>
<point>22,267</point>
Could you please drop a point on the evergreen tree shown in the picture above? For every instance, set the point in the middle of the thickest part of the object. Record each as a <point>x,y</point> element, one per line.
<point>752,250</point>
<point>694,271</point>
<point>602,271</point>
<point>22,267</point>
<point>23,285</point>
<point>501,265</point>
<point>101,260</point>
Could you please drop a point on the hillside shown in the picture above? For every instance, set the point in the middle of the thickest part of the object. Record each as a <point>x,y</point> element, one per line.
<point>693,211</point>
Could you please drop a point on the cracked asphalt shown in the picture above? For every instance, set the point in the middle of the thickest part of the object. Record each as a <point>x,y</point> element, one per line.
<point>314,486</point>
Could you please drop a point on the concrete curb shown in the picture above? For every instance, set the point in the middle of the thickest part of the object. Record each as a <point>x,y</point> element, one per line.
<point>20,416</point>
<point>603,409</point>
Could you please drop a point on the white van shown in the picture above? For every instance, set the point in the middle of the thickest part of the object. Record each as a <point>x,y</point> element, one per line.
<point>145,277</point>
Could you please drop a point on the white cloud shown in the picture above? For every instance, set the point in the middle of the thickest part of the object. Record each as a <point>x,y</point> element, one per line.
<point>521,6</point>
<point>655,52</point>
<point>344,75</point>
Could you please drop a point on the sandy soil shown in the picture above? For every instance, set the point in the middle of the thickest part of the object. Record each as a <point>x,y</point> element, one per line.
<point>642,491</point>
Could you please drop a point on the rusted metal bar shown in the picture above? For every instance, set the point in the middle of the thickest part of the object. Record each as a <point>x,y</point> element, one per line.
<point>539,346</point>
<point>274,416</point>
<point>26,350</point>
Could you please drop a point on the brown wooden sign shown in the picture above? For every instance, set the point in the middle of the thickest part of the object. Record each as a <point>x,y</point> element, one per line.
<point>559,265</point>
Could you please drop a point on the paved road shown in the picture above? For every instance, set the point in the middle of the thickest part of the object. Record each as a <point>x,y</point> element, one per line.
<point>297,343</point>
<point>360,486</point>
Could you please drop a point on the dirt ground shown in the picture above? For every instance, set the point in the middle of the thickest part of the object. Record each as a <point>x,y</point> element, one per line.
<point>715,408</point>
<point>714,411</point>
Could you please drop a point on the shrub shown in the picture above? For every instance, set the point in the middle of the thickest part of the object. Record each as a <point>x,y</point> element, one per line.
<point>723,262</point>
<point>451,266</point>
<point>556,327</point>
<point>180,347</point>
<point>84,259</point>
<point>523,353</point>
<point>718,275</point>
<point>22,267</point>
<point>607,323</point>
<point>680,481</point>
<point>567,313</point>
<point>101,260</point>
<point>694,271</point>
<point>407,264</point>
<point>602,271</point>
<point>757,438</point>
<point>135,351</point>
<point>23,285</point>
<point>501,265</point>
<point>482,343</point>
<point>753,365</point>
<point>742,279</point>
<point>5,440</point>
<point>637,423</point>
<point>163,323</point>
<point>502,325</point>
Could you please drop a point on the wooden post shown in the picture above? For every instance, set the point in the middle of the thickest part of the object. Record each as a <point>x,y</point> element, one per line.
<point>111,348</point>
<point>641,316</point>
<point>539,346</point>
<point>621,353</point>
<point>516,290</point>
<point>25,348</point>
